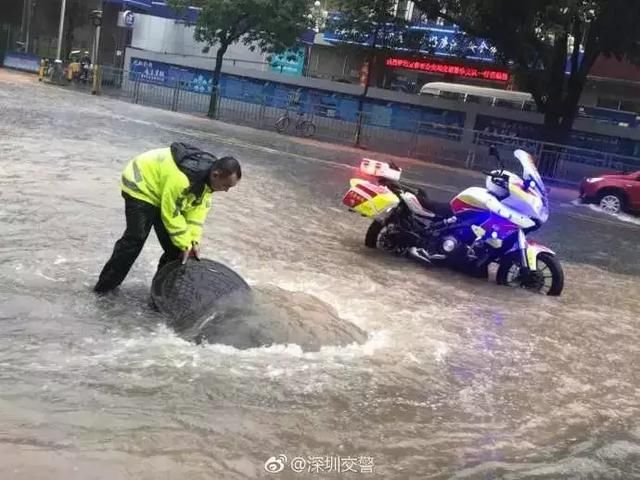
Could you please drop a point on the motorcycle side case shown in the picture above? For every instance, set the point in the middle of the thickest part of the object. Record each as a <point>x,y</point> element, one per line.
<point>369,199</point>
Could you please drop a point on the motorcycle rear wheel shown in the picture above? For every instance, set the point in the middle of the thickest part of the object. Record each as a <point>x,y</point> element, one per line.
<point>547,280</point>
<point>371,239</point>
<point>377,237</point>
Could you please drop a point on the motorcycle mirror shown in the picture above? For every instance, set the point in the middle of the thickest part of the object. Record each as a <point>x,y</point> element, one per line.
<point>493,152</point>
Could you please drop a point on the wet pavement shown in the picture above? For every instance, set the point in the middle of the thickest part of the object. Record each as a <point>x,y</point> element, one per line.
<point>459,378</point>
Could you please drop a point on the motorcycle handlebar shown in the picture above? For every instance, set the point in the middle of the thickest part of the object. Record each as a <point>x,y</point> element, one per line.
<point>501,176</point>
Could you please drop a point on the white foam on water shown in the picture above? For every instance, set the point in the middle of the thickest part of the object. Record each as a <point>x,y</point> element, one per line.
<point>163,344</point>
<point>60,260</point>
<point>623,217</point>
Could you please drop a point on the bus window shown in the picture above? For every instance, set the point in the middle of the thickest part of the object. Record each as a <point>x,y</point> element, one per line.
<point>476,99</point>
<point>452,95</point>
<point>509,104</point>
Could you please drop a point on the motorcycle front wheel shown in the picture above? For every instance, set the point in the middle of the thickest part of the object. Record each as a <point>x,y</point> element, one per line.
<point>548,279</point>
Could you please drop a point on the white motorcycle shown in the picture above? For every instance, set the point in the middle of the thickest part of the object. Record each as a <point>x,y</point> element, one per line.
<point>478,227</point>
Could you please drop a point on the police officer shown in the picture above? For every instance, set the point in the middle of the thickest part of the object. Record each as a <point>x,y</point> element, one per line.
<point>170,190</point>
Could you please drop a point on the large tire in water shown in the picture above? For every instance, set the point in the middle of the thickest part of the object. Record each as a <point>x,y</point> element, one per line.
<point>191,293</point>
<point>207,302</point>
<point>548,266</point>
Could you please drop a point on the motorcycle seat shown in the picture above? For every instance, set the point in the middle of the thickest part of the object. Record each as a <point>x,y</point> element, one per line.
<point>441,209</point>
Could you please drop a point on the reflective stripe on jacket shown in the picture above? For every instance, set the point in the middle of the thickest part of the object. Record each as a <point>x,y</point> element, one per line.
<point>154,177</point>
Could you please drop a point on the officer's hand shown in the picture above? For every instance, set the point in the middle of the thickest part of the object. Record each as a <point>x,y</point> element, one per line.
<point>184,256</point>
<point>195,251</point>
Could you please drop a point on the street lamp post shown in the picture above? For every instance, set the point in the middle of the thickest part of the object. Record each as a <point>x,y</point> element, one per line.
<point>319,16</point>
<point>61,30</point>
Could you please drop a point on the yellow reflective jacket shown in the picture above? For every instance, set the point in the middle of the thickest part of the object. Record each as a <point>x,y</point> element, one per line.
<point>184,202</point>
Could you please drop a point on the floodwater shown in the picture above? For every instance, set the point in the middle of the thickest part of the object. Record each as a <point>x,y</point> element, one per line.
<point>459,378</point>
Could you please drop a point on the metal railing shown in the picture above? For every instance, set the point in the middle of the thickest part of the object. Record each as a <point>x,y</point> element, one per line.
<point>446,144</point>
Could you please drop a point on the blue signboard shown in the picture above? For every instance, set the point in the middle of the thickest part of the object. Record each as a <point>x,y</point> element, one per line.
<point>427,38</point>
<point>141,4</point>
<point>167,75</point>
<point>22,61</point>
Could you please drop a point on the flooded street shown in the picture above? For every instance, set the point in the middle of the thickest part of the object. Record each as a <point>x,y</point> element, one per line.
<point>459,378</point>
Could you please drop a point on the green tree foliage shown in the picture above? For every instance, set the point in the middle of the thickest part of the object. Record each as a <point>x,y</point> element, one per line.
<point>539,38</point>
<point>270,25</point>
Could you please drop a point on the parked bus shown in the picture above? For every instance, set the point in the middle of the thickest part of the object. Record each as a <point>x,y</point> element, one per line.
<point>472,94</point>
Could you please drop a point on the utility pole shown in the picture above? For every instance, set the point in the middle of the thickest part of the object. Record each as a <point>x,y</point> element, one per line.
<point>96,21</point>
<point>61,29</point>
<point>25,24</point>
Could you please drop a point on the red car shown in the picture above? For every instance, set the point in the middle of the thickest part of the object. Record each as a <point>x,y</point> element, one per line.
<point>614,193</point>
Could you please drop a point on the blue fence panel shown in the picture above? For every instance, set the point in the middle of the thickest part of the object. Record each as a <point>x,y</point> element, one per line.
<point>380,113</point>
<point>22,61</point>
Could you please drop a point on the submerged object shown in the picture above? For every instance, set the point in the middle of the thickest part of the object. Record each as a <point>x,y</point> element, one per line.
<point>206,301</point>
<point>197,292</point>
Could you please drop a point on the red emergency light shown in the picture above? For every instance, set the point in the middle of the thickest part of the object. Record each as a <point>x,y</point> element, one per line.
<point>448,68</point>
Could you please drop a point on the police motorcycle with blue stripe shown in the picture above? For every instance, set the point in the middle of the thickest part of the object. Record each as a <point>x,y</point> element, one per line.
<point>480,226</point>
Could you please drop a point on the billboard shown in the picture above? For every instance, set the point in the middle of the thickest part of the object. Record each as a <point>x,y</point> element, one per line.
<point>426,38</point>
<point>290,62</point>
<point>140,4</point>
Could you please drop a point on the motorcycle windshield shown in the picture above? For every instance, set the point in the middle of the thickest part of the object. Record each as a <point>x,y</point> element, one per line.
<point>530,172</point>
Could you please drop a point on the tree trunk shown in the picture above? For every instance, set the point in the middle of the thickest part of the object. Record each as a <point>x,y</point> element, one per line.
<point>68,36</point>
<point>556,85</point>
<point>571,103</point>
<point>215,93</point>
<point>561,110</point>
<point>371,57</point>
<point>565,93</point>
<point>361,101</point>
<point>553,121</point>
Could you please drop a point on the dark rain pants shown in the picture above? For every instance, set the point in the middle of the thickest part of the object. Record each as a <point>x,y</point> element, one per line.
<point>141,216</point>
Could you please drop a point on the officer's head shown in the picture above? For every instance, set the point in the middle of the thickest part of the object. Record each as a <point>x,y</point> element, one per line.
<point>225,173</point>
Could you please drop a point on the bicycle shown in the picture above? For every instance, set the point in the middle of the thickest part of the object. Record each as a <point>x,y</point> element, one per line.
<point>304,127</point>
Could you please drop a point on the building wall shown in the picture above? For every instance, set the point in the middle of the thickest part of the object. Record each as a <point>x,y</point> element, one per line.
<point>343,64</point>
<point>611,94</point>
<point>164,35</point>
<point>335,63</point>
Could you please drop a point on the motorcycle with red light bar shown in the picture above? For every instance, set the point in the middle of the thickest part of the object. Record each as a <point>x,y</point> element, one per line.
<point>477,228</point>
